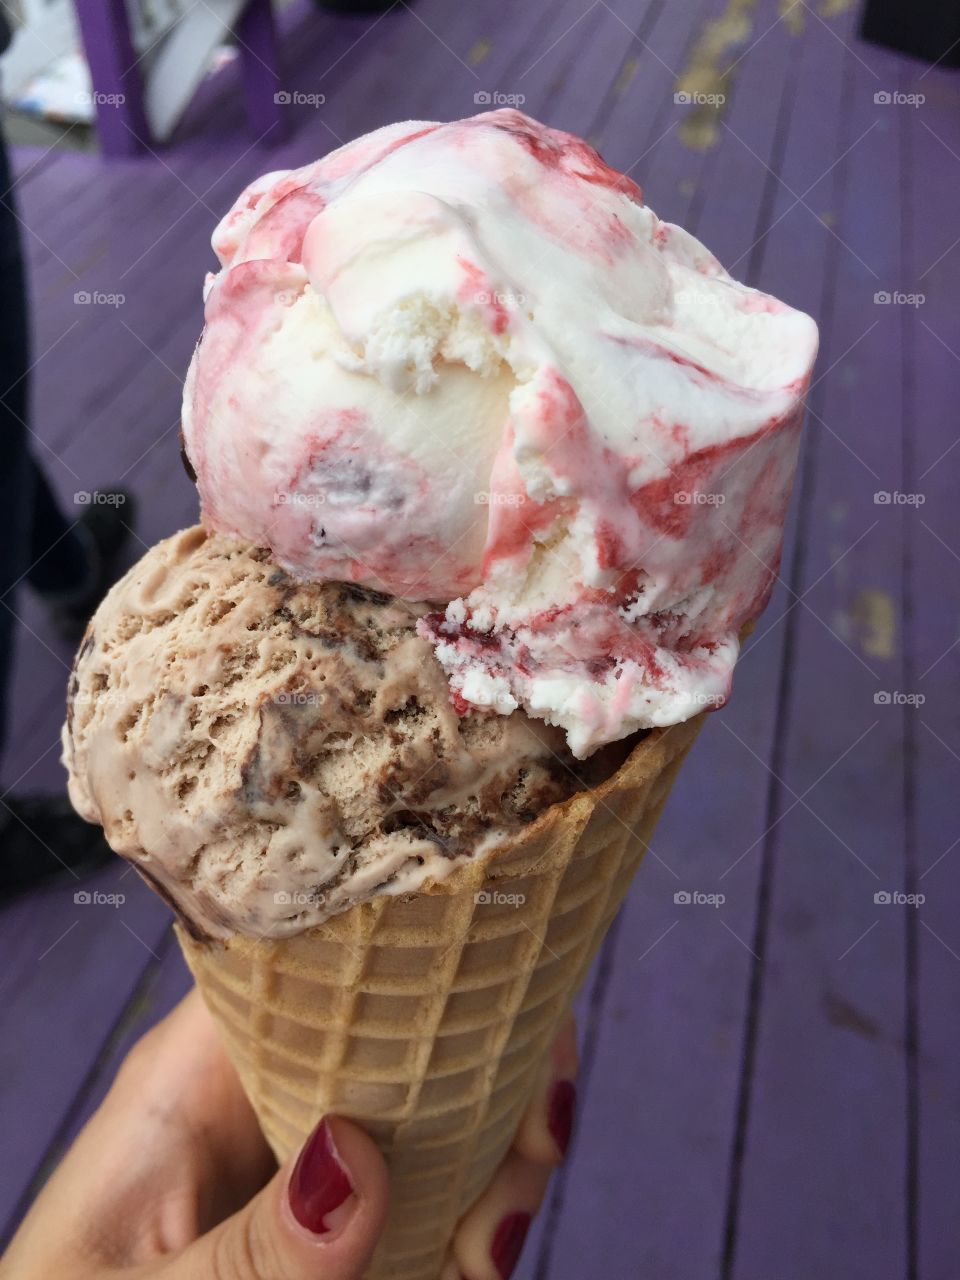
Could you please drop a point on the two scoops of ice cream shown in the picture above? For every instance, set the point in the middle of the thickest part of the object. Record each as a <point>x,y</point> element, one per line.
<point>493,468</point>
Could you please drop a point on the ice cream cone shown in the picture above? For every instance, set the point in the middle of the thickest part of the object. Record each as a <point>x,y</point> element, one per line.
<point>425,1018</point>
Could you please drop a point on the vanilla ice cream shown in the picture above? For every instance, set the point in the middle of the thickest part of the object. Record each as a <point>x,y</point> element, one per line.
<point>464,365</point>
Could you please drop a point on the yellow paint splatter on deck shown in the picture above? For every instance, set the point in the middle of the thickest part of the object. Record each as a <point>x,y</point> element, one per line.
<point>791,15</point>
<point>708,71</point>
<point>714,57</point>
<point>480,52</point>
<point>874,619</point>
<point>623,80</point>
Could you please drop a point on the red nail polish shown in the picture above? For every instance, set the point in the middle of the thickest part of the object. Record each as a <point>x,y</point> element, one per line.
<point>319,1182</point>
<point>560,1109</point>
<point>508,1241</point>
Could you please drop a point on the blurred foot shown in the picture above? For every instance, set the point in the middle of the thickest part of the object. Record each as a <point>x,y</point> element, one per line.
<point>43,842</point>
<point>105,527</point>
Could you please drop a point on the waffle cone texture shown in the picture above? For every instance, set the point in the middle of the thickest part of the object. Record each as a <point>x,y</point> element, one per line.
<point>426,1018</point>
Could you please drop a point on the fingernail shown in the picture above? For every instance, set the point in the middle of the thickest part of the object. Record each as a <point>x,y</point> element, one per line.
<point>508,1241</point>
<point>319,1184</point>
<point>560,1110</point>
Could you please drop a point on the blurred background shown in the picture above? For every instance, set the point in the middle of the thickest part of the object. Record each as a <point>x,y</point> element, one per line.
<point>770,1034</point>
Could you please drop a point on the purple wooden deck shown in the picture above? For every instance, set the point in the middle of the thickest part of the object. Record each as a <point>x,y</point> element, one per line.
<point>770,1090</point>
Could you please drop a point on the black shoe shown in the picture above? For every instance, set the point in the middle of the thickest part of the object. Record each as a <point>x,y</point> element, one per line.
<point>43,843</point>
<point>106,526</point>
<point>357,6</point>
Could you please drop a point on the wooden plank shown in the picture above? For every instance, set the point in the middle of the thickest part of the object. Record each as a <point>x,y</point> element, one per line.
<point>821,1190</point>
<point>931,372</point>
<point>68,969</point>
<point>163,984</point>
<point>639,119</point>
<point>29,162</point>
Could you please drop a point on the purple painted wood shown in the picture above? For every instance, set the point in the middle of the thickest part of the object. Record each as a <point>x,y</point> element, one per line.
<point>829,1072</point>
<point>163,984</point>
<point>28,163</point>
<point>115,75</point>
<point>931,373</point>
<point>52,1025</point>
<point>258,38</point>
<point>640,131</point>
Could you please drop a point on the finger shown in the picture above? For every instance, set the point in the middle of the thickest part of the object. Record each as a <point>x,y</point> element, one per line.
<point>547,1125</point>
<point>179,1072</point>
<point>489,1239</point>
<point>320,1216</point>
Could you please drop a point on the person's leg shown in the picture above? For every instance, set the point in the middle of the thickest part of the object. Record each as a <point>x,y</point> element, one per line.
<point>40,838</point>
<point>67,559</point>
<point>58,553</point>
<point>16,473</point>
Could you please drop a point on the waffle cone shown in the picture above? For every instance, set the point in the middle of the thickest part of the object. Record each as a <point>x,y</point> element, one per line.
<point>426,1018</point>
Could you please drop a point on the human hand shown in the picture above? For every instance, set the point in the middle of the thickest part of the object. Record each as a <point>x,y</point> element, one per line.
<point>171,1179</point>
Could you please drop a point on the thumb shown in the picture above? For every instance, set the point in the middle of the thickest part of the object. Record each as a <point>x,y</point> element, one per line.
<point>320,1216</point>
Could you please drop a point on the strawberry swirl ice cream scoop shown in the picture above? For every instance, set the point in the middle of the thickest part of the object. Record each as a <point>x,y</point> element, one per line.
<point>463,364</point>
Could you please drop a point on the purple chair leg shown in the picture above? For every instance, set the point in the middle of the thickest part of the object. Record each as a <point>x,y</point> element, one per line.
<point>259,43</point>
<point>115,76</point>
